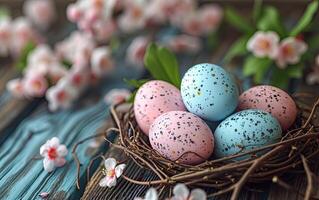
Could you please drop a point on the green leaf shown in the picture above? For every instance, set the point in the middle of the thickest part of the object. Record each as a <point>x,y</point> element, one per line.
<point>257,10</point>
<point>257,67</point>
<point>23,59</point>
<point>170,65</point>
<point>305,19</point>
<point>294,71</point>
<point>132,97</point>
<point>279,78</point>
<point>135,83</point>
<point>238,48</point>
<point>162,64</point>
<point>4,12</point>
<point>67,64</point>
<point>270,21</point>
<point>234,19</point>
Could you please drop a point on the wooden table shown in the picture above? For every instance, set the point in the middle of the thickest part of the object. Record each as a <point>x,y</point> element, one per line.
<point>26,125</point>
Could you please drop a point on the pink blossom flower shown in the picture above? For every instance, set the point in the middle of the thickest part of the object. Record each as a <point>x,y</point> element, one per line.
<point>116,96</point>
<point>40,12</point>
<point>101,61</point>
<point>151,194</point>
<point>177,10</point>
<point>78,78</point>
<point>192,24</point>
<point>181,192</point>
<point>74,12</point>
<point>134,16</point>
<point>103,30</point>
<point>136,51</point>
<point>56,72</point>
<point>290,51</point>
<point>53,153</point>
<point>5,36</point>
<point>35,85</point>
<point>16,88</point>
<point>111,172</point>
<point>211,16</point>
<point>264,44</point>
<point>184,43</point>
<point>61,95</point>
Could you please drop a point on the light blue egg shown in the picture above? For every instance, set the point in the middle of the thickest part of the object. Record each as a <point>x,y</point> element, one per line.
<point>244,131</point>
<point>209,92</point>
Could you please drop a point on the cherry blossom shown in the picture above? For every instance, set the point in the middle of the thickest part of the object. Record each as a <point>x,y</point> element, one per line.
<point>184,43</point>
<point>134,17</point>
<point>112,171</point>
<point>40,12</point>
<point>16,87</point>
<point>116,96</point>
<point>290,51</point>
<point>151,194</point>
<point>61,96</point>
<point>211,16</point>
<point>53,153</point>
<point>192,24</point>
<point>35,85</point>
<point>264,44</point>
<point>136,51</point>
<point>181,192</point>
<point>101,61</point>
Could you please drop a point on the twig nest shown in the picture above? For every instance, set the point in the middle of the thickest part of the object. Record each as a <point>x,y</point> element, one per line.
<point>183,136</point>
<point>272,100</point>
<point>244,131</point>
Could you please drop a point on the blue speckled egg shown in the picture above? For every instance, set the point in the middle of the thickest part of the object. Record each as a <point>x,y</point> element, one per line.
<point>209,92</point>
<point>246,130</point>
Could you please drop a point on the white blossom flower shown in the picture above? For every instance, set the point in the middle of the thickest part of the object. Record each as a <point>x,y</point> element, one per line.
<point>136,51</point>
<point>111,172</point>
<point>181,192</point>
<point>101,61</point>
<point>151,194</point>
<point>16,88</point>
<point>264,44</point>
<point>290,51</point>
<point>40,12</point>
<point>116,96</point>
<point>35,85</point>
<point>53,153</point>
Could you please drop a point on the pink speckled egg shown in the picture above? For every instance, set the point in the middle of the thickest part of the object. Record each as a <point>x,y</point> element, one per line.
<point>153,99</point>
<point>270,99</point>
<point>182,135</point>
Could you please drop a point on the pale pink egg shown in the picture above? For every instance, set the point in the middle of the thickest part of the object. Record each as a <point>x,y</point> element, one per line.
<point>153,99</point>
<point>182,136</point>
<point>270,99</point>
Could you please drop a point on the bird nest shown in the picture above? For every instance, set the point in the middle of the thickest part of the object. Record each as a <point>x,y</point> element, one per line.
<point>292,154</point>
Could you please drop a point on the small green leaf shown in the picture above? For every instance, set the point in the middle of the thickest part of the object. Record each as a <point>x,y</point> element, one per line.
<point>294,71</point>
<point>114,43</point>
<point>67,64</point>
<point>270,21</point>
<point>253,64</point>
<point>162,64</point>
<point>279,78</point>
<point>4,12</point>
<point>135,83</point>
<point>257,10</point>
<point>305,19</point>
<point>23,59</point>
<point>170,65</point>
<point>238,48</point>
<point>234,19</point>
<point>132,97</point>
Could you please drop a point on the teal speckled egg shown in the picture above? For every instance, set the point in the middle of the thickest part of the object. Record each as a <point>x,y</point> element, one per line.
<point>209,92</point>
<point>244,131</point>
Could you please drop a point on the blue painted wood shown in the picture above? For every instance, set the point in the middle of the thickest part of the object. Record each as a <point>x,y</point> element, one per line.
<point>22,177</point>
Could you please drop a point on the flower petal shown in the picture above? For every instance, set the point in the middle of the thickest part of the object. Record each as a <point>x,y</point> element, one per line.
<point>62,151</point>
<point>151,194</point>
<point>59,162</point>
<point>111,181</point>
<point>43,150</point>
<point>198,194</point>
<point>48,165</point>
<point>103,182</point>
<point>181,191</point>
<point>54,142</point>
<point>119,170</point>
<point>109,164</point>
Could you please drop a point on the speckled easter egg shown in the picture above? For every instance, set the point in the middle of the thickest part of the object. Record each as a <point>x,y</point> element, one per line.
<point>272,100</point>
<point>246,130</point>
<point>209,92</point>
<point>182,135</point>
<point>153,99</point>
